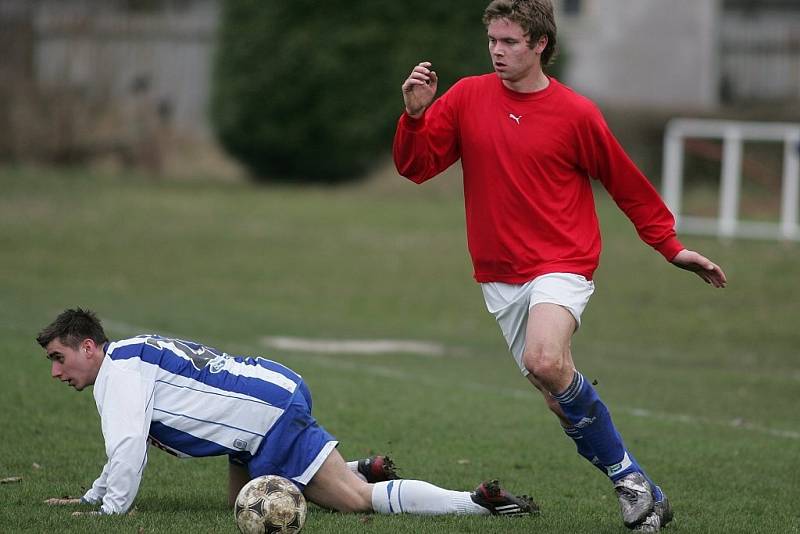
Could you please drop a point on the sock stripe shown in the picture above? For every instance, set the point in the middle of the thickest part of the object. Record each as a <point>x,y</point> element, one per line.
<point>572,391</point>
<point>389,495</point>
<point>399,502</point>
<point>623,466</point>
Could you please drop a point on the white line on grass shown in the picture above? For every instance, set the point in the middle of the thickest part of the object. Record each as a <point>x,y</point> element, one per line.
<point>353,346</point>
<point>391,372</point>
<point>731,423</point>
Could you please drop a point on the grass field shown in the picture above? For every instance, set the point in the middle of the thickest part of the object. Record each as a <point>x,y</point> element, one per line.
<point>704,384</point>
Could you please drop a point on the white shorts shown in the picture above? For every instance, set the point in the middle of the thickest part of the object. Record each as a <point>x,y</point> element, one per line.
<point>511,303</point>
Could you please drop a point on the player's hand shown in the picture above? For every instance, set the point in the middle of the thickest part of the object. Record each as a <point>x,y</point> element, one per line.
<point>702,266</point>
<point>63,501</point>
<point>419,89</point>
<point>98,512</point>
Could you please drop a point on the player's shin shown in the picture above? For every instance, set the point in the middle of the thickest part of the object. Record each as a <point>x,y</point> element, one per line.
<point>583,447</point>
<point>591,421</point>
<point>587,452</point>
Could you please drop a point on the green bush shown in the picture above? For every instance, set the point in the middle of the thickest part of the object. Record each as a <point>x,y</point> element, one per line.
<point>310,91</point>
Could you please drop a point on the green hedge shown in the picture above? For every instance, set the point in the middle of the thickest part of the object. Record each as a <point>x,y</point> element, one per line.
<point>310,91</point>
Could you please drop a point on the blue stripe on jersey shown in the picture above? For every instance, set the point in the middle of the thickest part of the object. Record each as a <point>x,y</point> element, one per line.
<point>173,363</point>
<point>186,443</point>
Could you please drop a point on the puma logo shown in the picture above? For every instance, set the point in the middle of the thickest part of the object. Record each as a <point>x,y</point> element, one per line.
<point>512,116</point>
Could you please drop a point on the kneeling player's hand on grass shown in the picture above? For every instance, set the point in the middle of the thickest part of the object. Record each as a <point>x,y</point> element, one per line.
<point>97,512</point>
<point>63,501</point>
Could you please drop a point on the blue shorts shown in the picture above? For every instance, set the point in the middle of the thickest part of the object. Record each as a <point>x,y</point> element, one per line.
<point>296,447</point>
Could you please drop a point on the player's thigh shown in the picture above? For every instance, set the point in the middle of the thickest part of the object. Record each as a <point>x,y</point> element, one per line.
<point>557,301</point>
<point>335,487</point>
<point>549,329</point>
<point>547,354</point>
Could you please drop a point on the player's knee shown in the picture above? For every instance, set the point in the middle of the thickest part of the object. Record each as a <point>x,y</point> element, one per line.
<point>546,363</point>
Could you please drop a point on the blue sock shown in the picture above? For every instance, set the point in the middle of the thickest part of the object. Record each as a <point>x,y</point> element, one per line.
<point>593,431</point>
<point>583,447</point>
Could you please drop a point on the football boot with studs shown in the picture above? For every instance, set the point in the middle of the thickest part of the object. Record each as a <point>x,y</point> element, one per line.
<point>635,498</point>
<point>498,501</point>
<point>377,469</point>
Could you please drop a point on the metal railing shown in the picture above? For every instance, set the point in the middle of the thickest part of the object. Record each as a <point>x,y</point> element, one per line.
<point>733,134</point>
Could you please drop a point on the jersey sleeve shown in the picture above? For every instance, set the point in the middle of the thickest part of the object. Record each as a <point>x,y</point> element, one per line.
<point>98,490</point>
<point>603,158</point>
<point>125,419</point>
<point>428,145</point>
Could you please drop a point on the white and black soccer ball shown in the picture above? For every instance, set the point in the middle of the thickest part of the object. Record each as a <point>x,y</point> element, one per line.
<point>270,504</point>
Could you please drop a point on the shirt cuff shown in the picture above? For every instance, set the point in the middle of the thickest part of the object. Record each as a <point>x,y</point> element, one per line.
<point>410,123</point>
<point>91,498</point>
<point>106,510</point>
<point>669,248</point>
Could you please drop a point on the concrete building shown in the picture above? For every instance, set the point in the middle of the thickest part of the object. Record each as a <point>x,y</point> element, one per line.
<point>682,54</point>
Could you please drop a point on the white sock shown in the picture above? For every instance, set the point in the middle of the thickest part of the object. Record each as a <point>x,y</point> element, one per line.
<point>418,497</point>
<point>353,466</point>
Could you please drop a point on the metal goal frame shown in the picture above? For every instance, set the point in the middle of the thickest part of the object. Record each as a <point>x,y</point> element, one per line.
<point>733,134</point>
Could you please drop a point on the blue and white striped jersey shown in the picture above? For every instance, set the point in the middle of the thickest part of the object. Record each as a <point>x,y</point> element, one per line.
<point>188,399</point>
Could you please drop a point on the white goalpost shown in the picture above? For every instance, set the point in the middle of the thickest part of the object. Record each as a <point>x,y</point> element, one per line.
<point>733,134</point>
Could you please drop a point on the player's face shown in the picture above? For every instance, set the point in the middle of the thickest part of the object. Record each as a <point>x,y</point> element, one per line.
<point>512,58</point>
<point>72,366</point>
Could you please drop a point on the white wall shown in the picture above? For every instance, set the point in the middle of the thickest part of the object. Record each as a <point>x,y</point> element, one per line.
<point>660,53</point>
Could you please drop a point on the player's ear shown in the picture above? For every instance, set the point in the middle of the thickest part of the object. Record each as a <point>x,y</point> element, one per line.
<point>541,44</point>
<point>88,345</point>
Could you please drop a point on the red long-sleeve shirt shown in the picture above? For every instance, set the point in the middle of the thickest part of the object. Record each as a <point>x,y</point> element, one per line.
<point>527,159</point>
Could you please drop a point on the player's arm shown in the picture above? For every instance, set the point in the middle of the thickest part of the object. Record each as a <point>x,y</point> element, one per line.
<point>603,158</point>
<point>426,140</point>
<point>98,490</point>
<point>125,418</point>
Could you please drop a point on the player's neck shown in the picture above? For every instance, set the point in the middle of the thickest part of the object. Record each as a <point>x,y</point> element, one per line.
<point>535,81</point>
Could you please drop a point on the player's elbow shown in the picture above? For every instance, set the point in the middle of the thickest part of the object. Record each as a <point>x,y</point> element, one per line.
<point>412,174</point>
<point>413,170</point>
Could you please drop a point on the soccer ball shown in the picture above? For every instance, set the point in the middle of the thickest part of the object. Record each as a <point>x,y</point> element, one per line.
<point>270,504</point>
